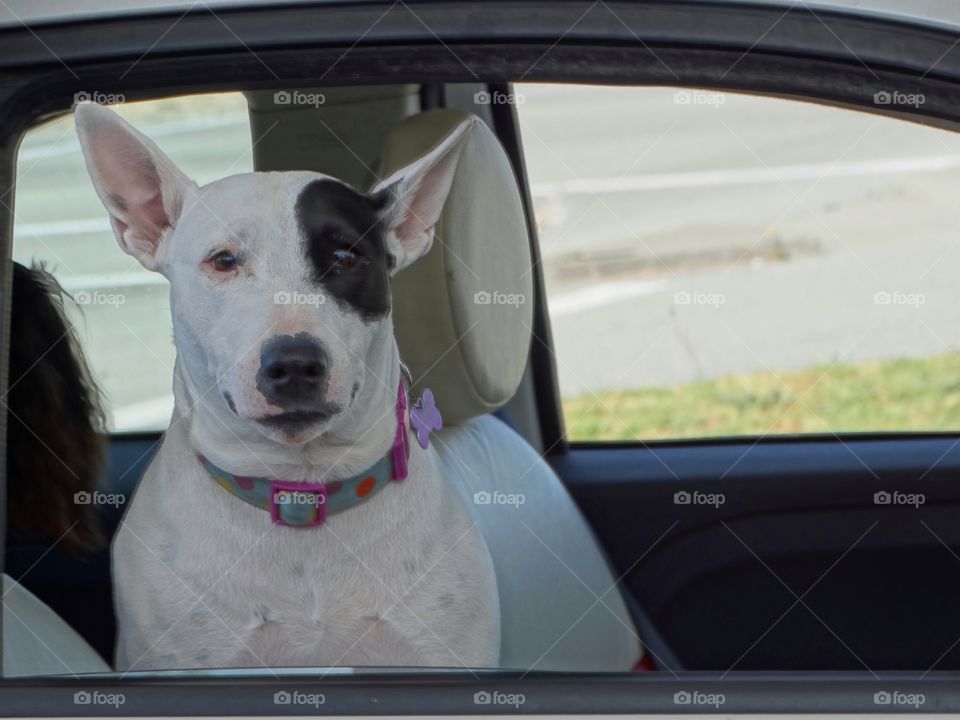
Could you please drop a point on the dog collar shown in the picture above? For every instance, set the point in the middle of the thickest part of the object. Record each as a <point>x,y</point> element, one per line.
<point>300,504</point>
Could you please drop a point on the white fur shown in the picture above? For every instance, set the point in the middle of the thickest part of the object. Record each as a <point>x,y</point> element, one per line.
<point>205,580</point>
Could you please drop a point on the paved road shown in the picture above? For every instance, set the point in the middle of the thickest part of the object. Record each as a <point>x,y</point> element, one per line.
<point>684,237</point>
<point>779,222</point>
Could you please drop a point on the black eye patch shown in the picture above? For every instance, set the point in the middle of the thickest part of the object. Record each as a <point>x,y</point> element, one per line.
<point>344,245</point>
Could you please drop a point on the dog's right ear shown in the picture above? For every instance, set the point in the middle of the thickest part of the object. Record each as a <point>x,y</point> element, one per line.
<point>142,189</point>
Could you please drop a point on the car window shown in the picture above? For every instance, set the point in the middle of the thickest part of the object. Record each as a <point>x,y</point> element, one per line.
<point>720,264</point>
<point>120,310</point>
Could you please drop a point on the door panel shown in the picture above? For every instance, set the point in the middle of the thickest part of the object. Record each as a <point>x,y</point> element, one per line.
<point>797,564</point>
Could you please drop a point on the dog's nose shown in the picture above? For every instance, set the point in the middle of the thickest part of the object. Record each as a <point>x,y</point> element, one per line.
<point>292,368</point>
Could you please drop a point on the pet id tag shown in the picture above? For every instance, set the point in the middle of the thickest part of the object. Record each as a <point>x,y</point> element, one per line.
<point>425,417</point>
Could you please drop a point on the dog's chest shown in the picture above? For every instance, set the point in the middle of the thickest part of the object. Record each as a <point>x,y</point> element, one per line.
<point>382,582</point>
<point>345,605</point>
<point>304,612</point>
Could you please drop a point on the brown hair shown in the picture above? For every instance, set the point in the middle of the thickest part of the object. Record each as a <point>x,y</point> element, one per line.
<point>55,420</point>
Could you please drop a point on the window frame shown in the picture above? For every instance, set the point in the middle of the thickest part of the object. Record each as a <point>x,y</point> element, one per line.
<point>800,57</point>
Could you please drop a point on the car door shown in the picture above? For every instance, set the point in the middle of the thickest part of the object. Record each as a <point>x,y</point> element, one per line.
<point>753,337</point>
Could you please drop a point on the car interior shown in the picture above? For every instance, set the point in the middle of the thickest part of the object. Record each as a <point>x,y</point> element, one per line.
<point>798,569</point>
<point>592,511</point>
<point>545,587</point>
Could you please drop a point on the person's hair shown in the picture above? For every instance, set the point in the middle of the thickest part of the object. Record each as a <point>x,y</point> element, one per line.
<point>55,420</point>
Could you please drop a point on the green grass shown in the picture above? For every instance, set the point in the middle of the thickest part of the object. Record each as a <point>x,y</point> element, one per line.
<point>900,395</point>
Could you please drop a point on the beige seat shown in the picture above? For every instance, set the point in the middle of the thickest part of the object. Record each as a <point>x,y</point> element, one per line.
<point>37,642</point>
<point>463,317</point>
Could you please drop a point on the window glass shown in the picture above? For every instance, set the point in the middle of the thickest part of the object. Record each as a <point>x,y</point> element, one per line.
<point>721,264</point>
<point>121,311</point>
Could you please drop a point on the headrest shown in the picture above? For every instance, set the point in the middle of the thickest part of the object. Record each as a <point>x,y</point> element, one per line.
<point>463,313</point>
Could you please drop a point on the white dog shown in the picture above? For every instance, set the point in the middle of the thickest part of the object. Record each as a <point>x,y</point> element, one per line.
<point>274,526</point>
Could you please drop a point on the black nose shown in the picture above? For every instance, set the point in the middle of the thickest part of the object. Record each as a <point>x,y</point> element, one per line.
<point>293,370</point>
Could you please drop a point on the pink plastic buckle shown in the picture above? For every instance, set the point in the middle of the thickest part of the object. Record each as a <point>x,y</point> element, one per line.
<point>317,489</point>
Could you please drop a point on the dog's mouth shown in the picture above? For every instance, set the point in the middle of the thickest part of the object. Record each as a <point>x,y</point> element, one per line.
<point>291,422</point>
<point>295,421</point>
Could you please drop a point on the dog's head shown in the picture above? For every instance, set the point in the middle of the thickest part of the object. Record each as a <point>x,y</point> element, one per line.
<point>280,282</point>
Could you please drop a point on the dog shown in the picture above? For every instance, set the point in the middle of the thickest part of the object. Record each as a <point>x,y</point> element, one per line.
<point>287,519</point>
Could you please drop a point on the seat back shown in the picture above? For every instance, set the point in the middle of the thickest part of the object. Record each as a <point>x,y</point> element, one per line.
<point>463,317</point>
<point>37,642</point>
<point>560,606</point>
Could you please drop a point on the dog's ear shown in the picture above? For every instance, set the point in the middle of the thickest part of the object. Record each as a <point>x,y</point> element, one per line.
<point>142,189</point>
<point>413,197</point>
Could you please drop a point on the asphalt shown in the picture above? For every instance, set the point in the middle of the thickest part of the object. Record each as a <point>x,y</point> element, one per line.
<point>694,236</point>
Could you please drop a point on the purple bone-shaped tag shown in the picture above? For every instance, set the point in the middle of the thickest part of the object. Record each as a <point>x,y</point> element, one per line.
<point>425,417</point>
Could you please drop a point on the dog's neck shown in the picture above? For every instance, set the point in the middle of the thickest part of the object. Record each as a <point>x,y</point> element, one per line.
<point>359,439</point>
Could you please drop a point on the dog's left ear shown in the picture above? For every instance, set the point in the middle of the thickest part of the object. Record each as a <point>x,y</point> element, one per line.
<point>413,197</point>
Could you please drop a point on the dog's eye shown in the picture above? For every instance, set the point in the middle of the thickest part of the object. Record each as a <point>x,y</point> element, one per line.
<point>224,261</point>
<point>346,258</point>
